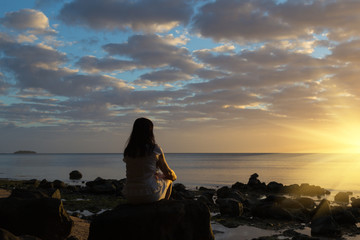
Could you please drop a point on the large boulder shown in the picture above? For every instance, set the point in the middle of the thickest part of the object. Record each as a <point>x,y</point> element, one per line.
<point>274,187</point>
<point>230,207</point>
<point>226,192</point>
<point>270,208</point>
<point>45,218</point>
<point>355,202</point>
<point>101,186</point>
<point>342,197</point>
<point>255,184</point>
<point>179,192</point>
<point>75,175</point>
<point>308,203</point>
<point>163,220</point>
<point>323,223</point>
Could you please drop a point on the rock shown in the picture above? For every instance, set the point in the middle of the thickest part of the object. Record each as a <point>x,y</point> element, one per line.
<point>207,193</point>
<point>355,202</point>
<point>305,189</point>
<point>342,197</point>
<point>270,208</point>
<point>223,192</point>
<point>343,217</point>
<point>179,187</point>
<point>101,186</point>
<point>75,175</point>
<point>46,184</point>
<point>312,190</point>
<point>6,235</point>
<point>119,185</point>
<point>239,186</point>
<point>56,194</point>
<point>163,220</point>
<point>33,182</point>
<point>204,189</point>
<point>291,204</point>
<point>230,207</point>
<point>322,223</point>
<point>226,192</point>
<point>292,189</point>
<point>255,184</point>
<point>59,184</point>
<point>306,202</point>
<point>45,218</point>
<point>179,192</point>
<point>208,200</point>
<point>274,187</point>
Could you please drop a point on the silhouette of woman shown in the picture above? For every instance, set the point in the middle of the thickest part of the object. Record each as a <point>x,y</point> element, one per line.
<point>144,160</point>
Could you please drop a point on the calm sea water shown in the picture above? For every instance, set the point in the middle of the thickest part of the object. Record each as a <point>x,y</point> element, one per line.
<point>336,172</point>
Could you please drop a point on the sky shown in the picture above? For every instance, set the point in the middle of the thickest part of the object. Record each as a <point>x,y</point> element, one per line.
<point>213,76</point>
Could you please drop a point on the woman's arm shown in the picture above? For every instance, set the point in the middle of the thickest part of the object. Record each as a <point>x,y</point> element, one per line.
<point>164,167</point>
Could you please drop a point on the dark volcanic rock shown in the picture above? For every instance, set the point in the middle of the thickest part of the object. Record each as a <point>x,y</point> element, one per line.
<point>322,223</point>
<point>179,192</point>
<point>355,202</point>
<point>226,192</point>
<point>33,183</point>
<point>230,207</point>
<point>343,216</point>
<point>59,184</point>
<point>45,218</point>
<point>305,190</point>
<point>342,197</point>
<point>163,220</point>
<point>239,186</point>
<point>75,175</point>
<point>291,204</point>
<point>207,197</point>
<point>274,187</point>
<point>306,202</point>
<point>255,184</point>
<point>271,208</point>
<point>101,186</point>
<point>46,184</point>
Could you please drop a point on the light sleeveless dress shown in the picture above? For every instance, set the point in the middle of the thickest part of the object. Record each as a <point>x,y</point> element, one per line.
<point>143,181</point>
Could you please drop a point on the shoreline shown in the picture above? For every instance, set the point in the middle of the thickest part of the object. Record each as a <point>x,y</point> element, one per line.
<point>78,199</point>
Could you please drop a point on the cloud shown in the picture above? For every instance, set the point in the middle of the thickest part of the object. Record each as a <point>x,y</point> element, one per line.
<point>346,52</point>
<point>270,21</point>
<point>28,19</point>
<point>154,51</point>
<point>164,76</point>
<point>139,15</point>
<point>92,64</point>
<point>3,85</point>
<point>40,66</point>
<point>265,67</point>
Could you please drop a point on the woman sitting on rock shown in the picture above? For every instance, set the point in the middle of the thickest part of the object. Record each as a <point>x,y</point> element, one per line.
<point>144,158</point>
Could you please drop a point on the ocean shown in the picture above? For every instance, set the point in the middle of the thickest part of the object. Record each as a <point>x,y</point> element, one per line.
<point>335,172</point>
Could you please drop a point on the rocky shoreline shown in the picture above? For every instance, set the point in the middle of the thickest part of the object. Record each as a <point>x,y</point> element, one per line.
<point>288,209</point>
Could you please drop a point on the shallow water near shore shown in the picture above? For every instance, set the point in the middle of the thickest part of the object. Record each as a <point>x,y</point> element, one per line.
<point>335,172</point>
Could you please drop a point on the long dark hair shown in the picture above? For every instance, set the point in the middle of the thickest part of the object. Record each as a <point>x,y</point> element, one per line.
<point>141,141</point>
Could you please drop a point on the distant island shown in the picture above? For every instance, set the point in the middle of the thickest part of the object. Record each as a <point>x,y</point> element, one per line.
<point>24,152</point>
